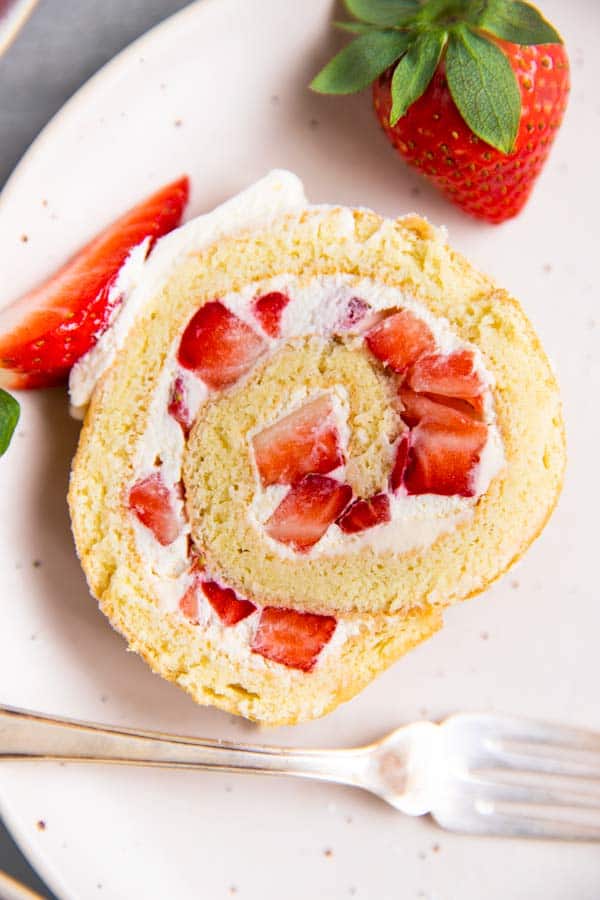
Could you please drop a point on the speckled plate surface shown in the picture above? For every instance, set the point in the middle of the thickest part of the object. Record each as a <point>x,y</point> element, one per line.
<point>220,91</point>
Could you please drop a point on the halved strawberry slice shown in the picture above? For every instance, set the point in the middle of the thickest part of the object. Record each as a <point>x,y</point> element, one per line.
<point>450,410</point>
<point>443,457</point>
<point>152,502</point>
<point>178,406</point>
<point>400,339</point>
<point>43,333</point>
<point>307,511</point>
<point>448,376</point>
<point>292,638</point>
<point>400,462</point>
<point>363,514</point>
<point>218,346</point>
<point>226,603</point>
<point>268,310</point>
<point>306,440</point>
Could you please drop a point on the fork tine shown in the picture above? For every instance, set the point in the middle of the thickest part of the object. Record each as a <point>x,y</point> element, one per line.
<point>532,732</point>
<point>531,822</point>
<point>475,815</point>
<point>514,728</point>
<point>520,825</point>
<point>527,756</point>
<point>497,786</point>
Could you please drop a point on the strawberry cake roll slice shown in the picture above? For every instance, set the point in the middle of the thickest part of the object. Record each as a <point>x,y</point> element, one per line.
<point>310,429</point>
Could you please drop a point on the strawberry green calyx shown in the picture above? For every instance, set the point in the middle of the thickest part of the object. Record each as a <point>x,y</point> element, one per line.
<point>9,417</point>
<point>416,37</point>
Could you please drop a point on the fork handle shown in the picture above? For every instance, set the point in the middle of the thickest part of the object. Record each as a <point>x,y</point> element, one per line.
<point>32,736</point>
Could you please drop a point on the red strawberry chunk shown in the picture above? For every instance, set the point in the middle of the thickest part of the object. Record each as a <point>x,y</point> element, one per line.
<point>363,514</point>
<point>449,410</point>
<point>189,604</point>
<point>44,332</point>
<point>400,463</point>
<point>448,376</point>
<point>400,339</point>
<point>443,457</point>
<point>152,502</point>
<point>226,603</point>
<point>307,511</point>
<point>268,310</point>
<point>292,638</point>
<point>218,346</point>
<point>307,440</point>
<point>178,406</point>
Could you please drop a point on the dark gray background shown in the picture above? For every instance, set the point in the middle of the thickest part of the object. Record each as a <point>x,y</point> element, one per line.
<point>62,44</point>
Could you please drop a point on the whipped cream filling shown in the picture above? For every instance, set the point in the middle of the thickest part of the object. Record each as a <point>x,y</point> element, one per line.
<point>316,307</point>
<point>142,276</point>
<point>236,640</point>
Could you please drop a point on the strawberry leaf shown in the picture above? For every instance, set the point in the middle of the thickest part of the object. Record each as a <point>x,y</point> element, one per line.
<point>515,21</point>
<point>484,88</point>
<point>432,11</point>
<point>361,62</point>
<point>415,70</point>
<point>383,12</point>
<point>356,27</point>
<point>9,416</point>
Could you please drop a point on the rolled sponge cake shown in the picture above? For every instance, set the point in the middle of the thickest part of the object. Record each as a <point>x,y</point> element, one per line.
<point>226,595</point>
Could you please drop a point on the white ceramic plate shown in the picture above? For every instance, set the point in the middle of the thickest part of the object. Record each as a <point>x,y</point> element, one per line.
<point>220,91</point>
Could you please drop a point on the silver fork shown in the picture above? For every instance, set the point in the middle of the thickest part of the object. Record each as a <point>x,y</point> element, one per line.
<point>478,774</point>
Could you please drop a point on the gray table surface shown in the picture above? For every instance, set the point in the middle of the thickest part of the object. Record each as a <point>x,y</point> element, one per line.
<point>64,42</point>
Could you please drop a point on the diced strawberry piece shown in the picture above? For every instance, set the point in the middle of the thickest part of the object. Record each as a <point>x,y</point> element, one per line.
<point>178,406</point>
<point>400,463</point>
<point>443,457</point>
<point>226,603</point>
<point>400,339</point>
<point>355,312</point>
<point>189,604</point>
<point>357,322</point>
<point>449,410</point>
<point>363,514</point>
<point>307,440</point>
<point>448,376</point>
<point>268,310</point>
<point>218,346</point>
<point>307,511</point>
<point>44,332</point>
<point>152,502</point>
<point>472,407</point>
<point>292,638</point>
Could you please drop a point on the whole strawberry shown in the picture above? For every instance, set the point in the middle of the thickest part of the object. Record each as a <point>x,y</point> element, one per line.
<point>470,92</point>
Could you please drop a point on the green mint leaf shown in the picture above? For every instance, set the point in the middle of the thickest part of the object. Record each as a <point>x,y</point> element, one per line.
<point>359,64</point>
<point>9,416</point>
<point>383,12</point>
<point>415,70</point>
<point>484,88</point>
<point>356,27</point>
<point>515,21</point>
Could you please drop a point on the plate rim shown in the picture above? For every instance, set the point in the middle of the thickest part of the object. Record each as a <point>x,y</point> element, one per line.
<point>81,93</point>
